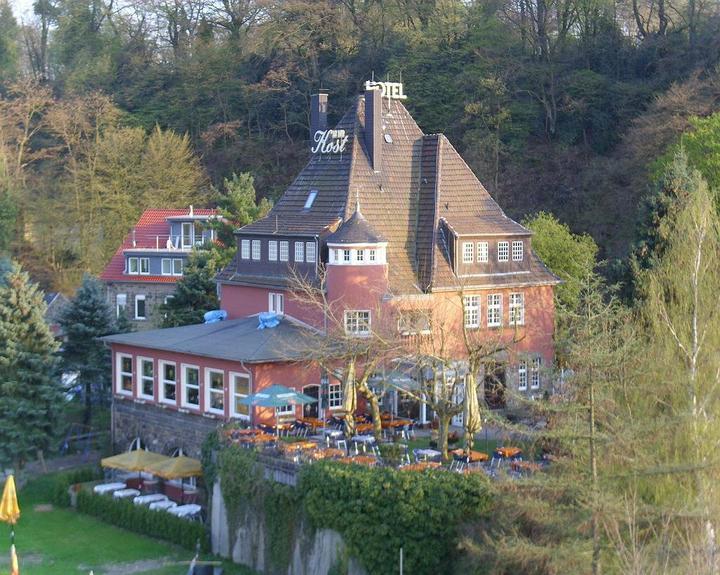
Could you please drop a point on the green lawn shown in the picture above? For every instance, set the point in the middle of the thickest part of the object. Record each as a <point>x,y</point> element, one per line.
<point>63,542</point>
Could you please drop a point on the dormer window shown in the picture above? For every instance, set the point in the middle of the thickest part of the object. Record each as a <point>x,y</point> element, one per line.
<point>137,266</point>
<point>245,249</point>
<point>346,256</point>
<point>468,252</point>
<point>503,251</point>
<point>482,252</point>
<point>256,246</point>
<point>517,251</point>
<point>186,232</point>
<point>299,252</point>
<point>360,256</point>
<point>310,199</point>
<point>284,249</point>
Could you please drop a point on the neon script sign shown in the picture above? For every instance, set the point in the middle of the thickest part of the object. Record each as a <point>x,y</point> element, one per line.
<point>329,142</point>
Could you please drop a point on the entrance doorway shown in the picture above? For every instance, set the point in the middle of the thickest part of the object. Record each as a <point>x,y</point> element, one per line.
<point>312,409</point>
<point>495,386</point>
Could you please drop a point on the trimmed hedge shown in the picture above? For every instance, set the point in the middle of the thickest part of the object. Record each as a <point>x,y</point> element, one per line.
<point>140,519</point>
<point>62,481</point>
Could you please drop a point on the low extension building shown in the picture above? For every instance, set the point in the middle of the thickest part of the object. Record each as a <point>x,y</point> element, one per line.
<point>395,230</point>
<point>141,275</point>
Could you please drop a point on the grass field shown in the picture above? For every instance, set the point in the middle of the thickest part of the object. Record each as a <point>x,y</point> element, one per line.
<point>53,541</point>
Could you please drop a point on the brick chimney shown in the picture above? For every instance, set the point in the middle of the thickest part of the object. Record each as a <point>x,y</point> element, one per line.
<point>373,126</point>
<point>318,115</point>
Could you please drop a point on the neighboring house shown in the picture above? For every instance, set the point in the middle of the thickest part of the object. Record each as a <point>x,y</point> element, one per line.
<point>403,229</point>
<point>142,273</point>
<point>55,302</point>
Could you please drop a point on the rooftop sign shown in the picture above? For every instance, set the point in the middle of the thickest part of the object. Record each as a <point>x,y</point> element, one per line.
<point>392,90</point>
<point>329,142</point>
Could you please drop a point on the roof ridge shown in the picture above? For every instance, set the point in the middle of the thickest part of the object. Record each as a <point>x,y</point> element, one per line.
<point>436,216</point>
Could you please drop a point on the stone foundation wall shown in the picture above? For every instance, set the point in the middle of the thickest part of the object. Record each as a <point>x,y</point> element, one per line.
<point>314,552</point>
<point>155,294</point>
<point>162,430</point>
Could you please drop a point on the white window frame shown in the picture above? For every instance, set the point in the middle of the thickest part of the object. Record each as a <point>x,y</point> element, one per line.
<point>516,309</point>
<point>130,262</point>
<point>360,255</point>
<point>347,256</point>
<point>119,374</point>
<point>140,298</point>
<point>145,261</point>
<point>335,397</point>
<point>169,262</point>
<point>244,249</point>
<point>371,255</point>
<point>483,252</point>
<point>471,311</point>
<point>273,250</point>
<point>209,391</point>
<point>162,382</point>
<point>468,252</point>
<point>503,251</point>
<point>284,251</point>
<point>142,378</point>
<point>233,394</point>
<point>184,367</point>
<point>494,310</point>
<point>120,306</point>
<point>310,252</point>
<point>181,263</point>
<point>517,251</point>
<point>256,250</point>
<point>273,300</point>
<point>352,320</point>
<point>285,410</point>
<point>186,240</point>
<point>522,375</point>
<point>535,372</point>
<point>300,252</point>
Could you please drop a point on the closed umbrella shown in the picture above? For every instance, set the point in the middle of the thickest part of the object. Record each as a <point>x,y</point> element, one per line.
<point>276,396</point>
<point>349,404</point>
<point>473,421</point>
<point>10,513</point>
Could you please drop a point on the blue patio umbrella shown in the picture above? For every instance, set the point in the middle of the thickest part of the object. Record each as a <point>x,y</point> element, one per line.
<point>276,396</point>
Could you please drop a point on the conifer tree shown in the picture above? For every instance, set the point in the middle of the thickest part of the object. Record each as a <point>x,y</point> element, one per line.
<point>195,292</point>
<point>86,318</point>
<point>30,393</point>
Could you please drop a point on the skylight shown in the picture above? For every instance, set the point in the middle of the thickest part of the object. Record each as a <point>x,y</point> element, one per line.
<point>310,199</point>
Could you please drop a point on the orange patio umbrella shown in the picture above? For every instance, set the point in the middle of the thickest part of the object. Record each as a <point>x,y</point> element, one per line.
<point>10,513</point>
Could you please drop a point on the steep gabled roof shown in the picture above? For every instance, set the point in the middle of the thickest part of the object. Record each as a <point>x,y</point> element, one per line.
<point>356,230</point>
<point>151,226</point>
<point>422,180</point>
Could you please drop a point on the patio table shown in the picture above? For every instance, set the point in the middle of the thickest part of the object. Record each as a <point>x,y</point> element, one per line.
<point>360,460</point>
<point>508,451</point>
<point>313,422</point>
<point>333,433</point>
<point>104,488</point>
<point>364,427</point>
<point>162,505</point>
<point>185,511</point>
<point>387,424</point>
<point>148,499</point>
<point>298,446</point>
<point>475,456</point>
<point>421,466</point>
<point>427,454</point>
<point>125,493</point>
<point>327,453</point>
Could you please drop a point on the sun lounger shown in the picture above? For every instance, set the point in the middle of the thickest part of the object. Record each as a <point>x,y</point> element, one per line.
<point>162,505</point>
<point>185,511</point>
<point>125,493</point>
<point>148,499</point>
<point>105,488</point>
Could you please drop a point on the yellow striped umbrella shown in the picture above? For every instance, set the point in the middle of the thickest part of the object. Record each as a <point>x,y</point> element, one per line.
<point>138,460</point>
<point>176,468</point>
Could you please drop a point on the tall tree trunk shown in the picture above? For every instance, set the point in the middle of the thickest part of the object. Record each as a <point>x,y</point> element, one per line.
<point>87,414</point>
<point>443,431</point>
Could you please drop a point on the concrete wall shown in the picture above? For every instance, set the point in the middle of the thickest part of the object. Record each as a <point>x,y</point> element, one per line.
<point>314,552</point>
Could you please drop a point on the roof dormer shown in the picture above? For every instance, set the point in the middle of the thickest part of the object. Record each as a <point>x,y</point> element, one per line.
<point>356,243</point>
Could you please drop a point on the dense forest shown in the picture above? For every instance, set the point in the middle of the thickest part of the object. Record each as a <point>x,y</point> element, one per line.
<point>111,106</point>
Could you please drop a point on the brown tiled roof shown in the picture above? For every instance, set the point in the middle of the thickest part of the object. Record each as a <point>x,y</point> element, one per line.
<point>422,181</point>
<point>356,230</point>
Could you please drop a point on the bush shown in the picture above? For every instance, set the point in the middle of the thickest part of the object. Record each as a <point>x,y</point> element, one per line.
<point>62,481</point>
<point>122,513</point>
